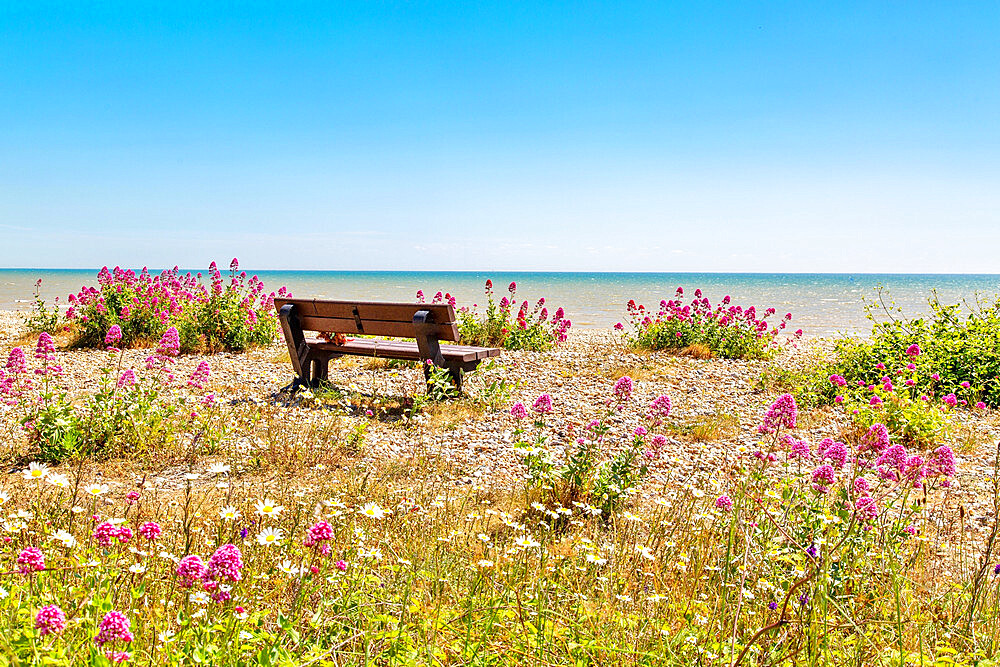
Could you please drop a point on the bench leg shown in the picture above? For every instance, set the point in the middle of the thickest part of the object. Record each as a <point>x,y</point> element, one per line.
<point>320,371</point>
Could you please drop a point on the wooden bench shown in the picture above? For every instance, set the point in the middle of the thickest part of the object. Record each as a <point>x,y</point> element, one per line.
<point>427,323</point>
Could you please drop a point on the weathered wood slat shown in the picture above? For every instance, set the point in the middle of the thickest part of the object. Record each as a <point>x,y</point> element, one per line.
<point>369,310</point>
<point>372,327</point>
<point>370,347</point>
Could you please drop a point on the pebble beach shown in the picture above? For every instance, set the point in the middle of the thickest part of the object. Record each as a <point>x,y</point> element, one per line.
<point>717,404</point>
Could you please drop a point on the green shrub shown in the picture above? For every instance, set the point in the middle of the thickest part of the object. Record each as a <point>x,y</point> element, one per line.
<point>215,317</point>
<point>501,326</point>
<point>724,330</point>
<point>957,345</point>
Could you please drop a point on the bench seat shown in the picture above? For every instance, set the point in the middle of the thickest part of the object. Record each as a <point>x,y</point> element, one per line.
<point>401,349</point>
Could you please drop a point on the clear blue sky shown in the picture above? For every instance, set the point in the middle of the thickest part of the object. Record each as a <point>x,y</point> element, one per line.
<point>687,136</point>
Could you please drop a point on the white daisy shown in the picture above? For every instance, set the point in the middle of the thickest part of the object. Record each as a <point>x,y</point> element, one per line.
<point>229,513</point>
<point>96,489</point>
<point>268,507</point>
<point>373,511</point>
<point>270,537</point>
<point>35,472</point>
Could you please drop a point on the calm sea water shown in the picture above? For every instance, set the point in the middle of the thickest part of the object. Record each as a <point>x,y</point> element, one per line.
<point>821,304</point>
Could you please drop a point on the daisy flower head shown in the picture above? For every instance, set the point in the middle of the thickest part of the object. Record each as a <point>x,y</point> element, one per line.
<point>95,489</point>
<point>373,511</point>
<point>229,513</point>
<point>35,472</point>
<point>268,508</point>
<point>270,537</point>
<point>58,480</point>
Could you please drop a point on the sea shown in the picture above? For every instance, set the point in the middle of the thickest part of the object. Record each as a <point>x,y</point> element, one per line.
<point>821,304</point>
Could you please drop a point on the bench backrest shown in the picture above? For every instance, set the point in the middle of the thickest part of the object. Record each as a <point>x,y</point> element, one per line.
<point>370,317</point>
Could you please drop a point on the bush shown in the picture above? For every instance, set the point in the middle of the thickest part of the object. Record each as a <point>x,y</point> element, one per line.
<point>499,326</point>
<point>131,411</point>
<point>702,330</point>
<point>212,318</point>
<point>959,350</point>
<point>42,318</point>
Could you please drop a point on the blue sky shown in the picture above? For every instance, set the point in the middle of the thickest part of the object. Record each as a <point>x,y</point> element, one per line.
<point>798,136</point>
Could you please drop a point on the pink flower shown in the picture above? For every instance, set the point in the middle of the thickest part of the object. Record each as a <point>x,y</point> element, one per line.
<point>942,463</point>
<point>800,450</point>
<point>640,431</point>
<point>190,569</point>
<point>724,503</point>
<point>170,343</point>
<point>623,388</point>
<point>876,439</point>
<point>200,375</point>
<point>823,475</point>
<point>966,385</point>
<point>950,400</point>
<point>150,530</point>
<point>913,350</point>
<point>30,560</point>
<point>113,336</point>
<point>837,454</point>
<point>542,404</point>
<point>341,565</point>
<point>838,380</point>
<point>936,376</point>
<point>114,628</point>
<point>132,496</point>
<point>104,533</point>
<point>50,620</point>
<point>127,379</point>
<point>321,531</point>
<point>45,347</point>
<point>980,405</point>
<point>866,508</point>
<point>894,457</point>
<point>225,564</point>
<point>861,486</point>
<point>518,411</point>
<point>875,400</point>
<point>16,361</point>
<point>660,407</point>
<point>838,399</point>
<point>782,413</point>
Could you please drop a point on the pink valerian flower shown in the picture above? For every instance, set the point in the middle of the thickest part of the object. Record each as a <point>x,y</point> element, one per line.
<point>838,380</point>
<point>45,348</point>
<point>980,405</point>
<point>966,385</point>
<point>200,375</point>
<point>875,401</point>
<point>318,535</point>
<point>341,565</point>
<point>512,287</point>
<point>660,408</point>
<point>623,388</point>
<point>225,564</point>
<point>893,458</point>
<point>170,343</point>
<point>824,475</point>
<point>518,411</point>
<point>836,453</point>
<point>50,620</point>
<point>950,400</point>
<point>861,486</point>
<point>150,530</point>
<point>942,463</point>
<point>640,431</point>
<point>542,404</point>
<point>114,628</point>
<point>876,439</point>
<point>724,503</point>
<point>113,336</point>
<point>866,509</point>
<point>800,450</point>
<point>16,363</point>
<point>126,379</point>
<point>914,469</point>
<point>132,496</point>
<point>189,570</point>
<point>124,534</point>
<point>658,443</point>
<point>936,376</point>
<point>106,531</point>
<point>30,560</point>
<point>913,350</point>
<point>118,657</point>
<point>782,413</point>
